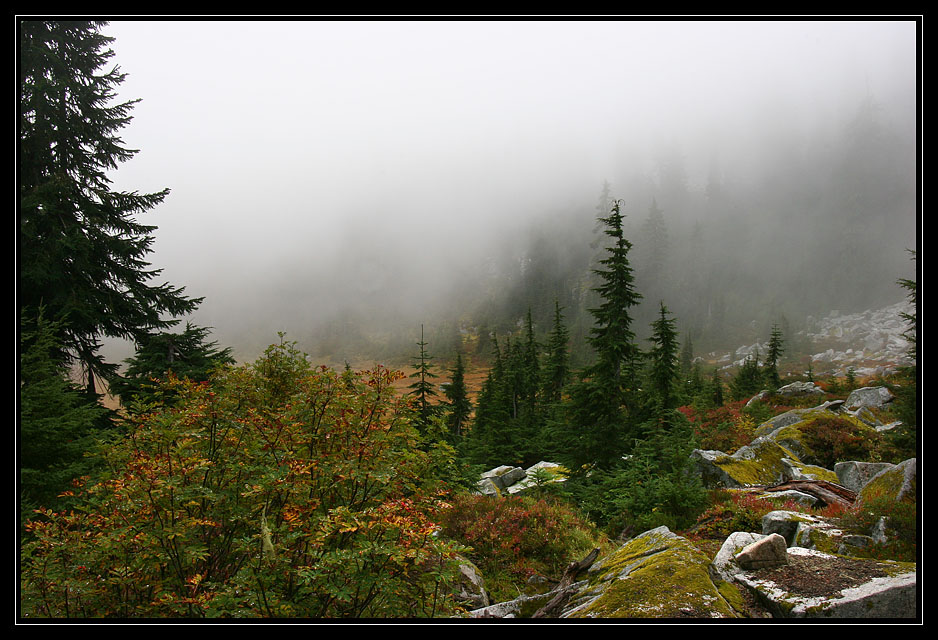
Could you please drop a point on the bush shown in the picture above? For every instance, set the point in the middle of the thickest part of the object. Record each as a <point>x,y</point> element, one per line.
<point>515,537</point>
<point>273,490</point>
<point>732,511</point>
<point>834,440</point>
<point>724,428</point>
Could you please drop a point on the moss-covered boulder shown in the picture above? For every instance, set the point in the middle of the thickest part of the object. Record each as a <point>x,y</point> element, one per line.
<point>655,575</point>
<point>803,530</point>
<point>893,483</point>
<point>781,451</point>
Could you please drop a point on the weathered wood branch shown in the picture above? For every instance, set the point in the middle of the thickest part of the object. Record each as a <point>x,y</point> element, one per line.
<point>562,591</point>
<point>827,492</point>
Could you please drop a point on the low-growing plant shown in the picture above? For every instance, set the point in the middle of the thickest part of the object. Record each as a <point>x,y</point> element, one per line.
<point>735,510</point>
<point>514,537</point>
<point>724,428</point>
<point>901,520</point>
<point>833,440</point>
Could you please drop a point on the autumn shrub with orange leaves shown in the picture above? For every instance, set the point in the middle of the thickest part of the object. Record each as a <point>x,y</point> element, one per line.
<point>273,490</point>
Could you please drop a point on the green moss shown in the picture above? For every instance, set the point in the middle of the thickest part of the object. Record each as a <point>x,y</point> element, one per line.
<point>823,541</point>
<point>886,484</point>
<point>657,576</point>
<point>733,596</point>
<point>764,468</point>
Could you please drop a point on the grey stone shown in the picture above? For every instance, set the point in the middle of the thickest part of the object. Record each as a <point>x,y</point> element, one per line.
<point>800,389</point>
<point>854,475</point>
<point>874,397</point>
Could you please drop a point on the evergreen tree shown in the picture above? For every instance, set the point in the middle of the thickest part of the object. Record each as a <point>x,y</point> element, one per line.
<point>58,421</point>
<point>664,366</point>
<point>185,354</point>
<point>422,389</point>
<point>612,337</point>
<point>598,429</point>
<point>749,380</point>
<point>82,252</point>
<point>717,389</point>
<point>460,407</point>
<point>776,349</point>
<point>905,437</point>
<point>556,370</point>
<point>487,442</point>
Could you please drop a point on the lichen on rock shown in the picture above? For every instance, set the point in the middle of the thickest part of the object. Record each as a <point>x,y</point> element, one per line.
<point>655,575</point>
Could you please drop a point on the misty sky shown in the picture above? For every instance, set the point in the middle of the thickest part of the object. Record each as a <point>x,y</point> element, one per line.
<point>284,141</point>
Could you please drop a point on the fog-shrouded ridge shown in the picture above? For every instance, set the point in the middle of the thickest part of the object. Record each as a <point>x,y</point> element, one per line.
<point>345,182</point>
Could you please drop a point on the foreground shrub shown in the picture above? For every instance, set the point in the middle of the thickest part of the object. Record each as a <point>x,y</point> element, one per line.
<point>515,537</point>
<point>273,490</point>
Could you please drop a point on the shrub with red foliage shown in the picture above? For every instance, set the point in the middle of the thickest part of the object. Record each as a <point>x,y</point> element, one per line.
<point>834,440</point>
<point>723,428</point>
<point>516,537</point>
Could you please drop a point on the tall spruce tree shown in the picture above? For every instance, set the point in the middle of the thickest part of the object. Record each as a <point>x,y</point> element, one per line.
<point>663,375</point>
<point>422,388</point>
<point>599,428</point>
<point>82,252</point>
<point>612,337</point>
<point>776,349</point>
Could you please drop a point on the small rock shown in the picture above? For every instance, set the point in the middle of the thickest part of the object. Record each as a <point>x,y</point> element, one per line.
<point>766,553</point>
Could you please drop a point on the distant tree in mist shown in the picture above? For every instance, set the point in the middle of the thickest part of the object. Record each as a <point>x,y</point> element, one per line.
<point>749,379</point>
<point>423,388</point>
<point>459,406</point>
<point>774,354</point>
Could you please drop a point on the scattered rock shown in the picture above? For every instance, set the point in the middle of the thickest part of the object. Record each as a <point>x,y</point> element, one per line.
<point>854,475</point>
<point>800,389</point>
<point>765,553</point>
<point>471,591</point>
<point>512,480</point>
<point>872,397</point>
<point>802,530</point>
<point>896,483</point>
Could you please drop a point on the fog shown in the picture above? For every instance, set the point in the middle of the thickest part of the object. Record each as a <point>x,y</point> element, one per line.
<point>327,171</point>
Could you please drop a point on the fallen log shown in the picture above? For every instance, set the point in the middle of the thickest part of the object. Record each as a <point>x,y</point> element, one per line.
<point>827,492</point>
